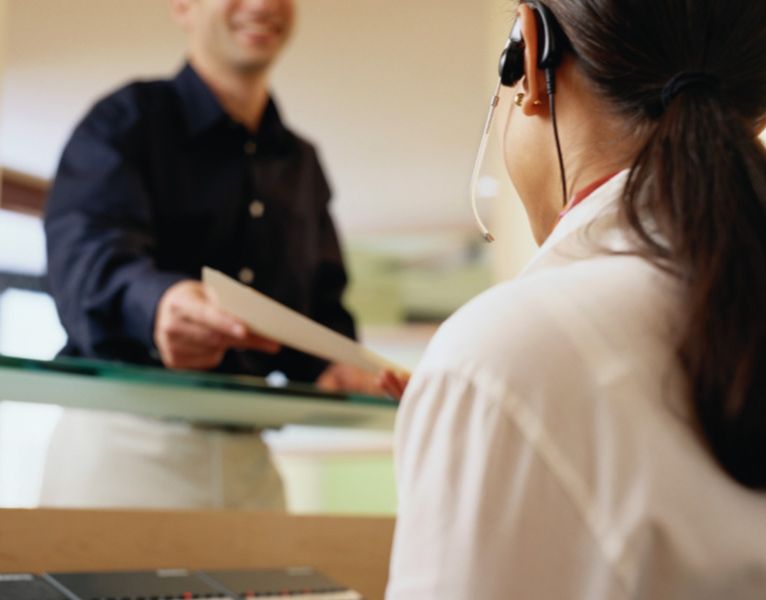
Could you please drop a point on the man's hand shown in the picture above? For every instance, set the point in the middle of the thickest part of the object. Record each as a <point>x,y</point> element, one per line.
<point>191,332</point>
<point>394,384</point>
<point>345,378</point>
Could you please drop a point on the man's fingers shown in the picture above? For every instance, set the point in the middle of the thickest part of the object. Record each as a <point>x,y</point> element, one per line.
<point>204,313</point>
<point>393,384</point>
<point>190,333</point>
<point>389,384</point>
<point>193,363</point>
<point>328,381</point>
<point>194,360</point>
<point>190,301</point>
<point>345,378</point>
<point>253,341</point>
<point>185,333</point>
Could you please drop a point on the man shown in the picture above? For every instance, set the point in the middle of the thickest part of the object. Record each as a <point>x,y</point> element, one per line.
<point>159,179</point>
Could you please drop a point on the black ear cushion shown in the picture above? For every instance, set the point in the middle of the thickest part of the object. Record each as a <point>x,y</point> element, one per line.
<point>512,58</point>
<point>550,37</point>
<point>549,46</point>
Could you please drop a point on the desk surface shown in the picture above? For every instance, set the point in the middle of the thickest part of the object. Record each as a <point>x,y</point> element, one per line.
<point>186,396</point>
<point>353,551</point>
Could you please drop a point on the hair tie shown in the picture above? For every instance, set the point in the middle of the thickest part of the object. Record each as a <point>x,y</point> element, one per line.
<point>686,79</point>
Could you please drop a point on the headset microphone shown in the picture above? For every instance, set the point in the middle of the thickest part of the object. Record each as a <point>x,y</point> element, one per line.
<point>550,42</point>
<point>480,160</point>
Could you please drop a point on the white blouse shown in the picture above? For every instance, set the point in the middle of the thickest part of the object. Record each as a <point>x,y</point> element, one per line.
<point>544,449</point>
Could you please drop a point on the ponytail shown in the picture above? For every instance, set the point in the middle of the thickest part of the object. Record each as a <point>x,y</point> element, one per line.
<point>701,181</point>
<point>696,195</point>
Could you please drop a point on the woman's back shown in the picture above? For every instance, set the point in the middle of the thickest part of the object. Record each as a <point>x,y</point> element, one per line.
<point>545,448</point>
<point>596,429</point>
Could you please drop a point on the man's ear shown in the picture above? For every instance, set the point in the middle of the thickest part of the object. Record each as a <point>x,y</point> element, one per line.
<point>180,9</point>
<point>534,79</point>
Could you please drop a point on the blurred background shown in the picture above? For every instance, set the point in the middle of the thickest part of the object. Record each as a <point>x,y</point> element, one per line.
<point>393,92</point>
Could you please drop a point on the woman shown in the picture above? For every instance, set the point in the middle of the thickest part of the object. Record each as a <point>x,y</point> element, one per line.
<point>596,428</point>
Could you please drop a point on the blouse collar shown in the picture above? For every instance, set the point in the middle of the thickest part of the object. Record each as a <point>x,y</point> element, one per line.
<point>591,207</point>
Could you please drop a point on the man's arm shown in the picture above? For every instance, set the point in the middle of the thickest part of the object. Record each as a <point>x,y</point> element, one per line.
<point>112,298</point>
<point>100,233</point>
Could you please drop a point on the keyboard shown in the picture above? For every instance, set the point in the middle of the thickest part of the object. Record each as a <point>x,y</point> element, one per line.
<point>25,586</point>
<point>295,583</point>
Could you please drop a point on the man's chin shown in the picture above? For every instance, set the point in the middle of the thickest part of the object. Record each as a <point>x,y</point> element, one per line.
<point>253,65</point>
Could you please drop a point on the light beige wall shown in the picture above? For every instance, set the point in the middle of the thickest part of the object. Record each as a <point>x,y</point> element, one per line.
<point>62,56</point>
<point>394,91</point>
<point>3,38</point>
<point>391,88</point>
<point>3,10</point>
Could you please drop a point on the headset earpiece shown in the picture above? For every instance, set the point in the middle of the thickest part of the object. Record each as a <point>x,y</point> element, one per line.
<point>512,57</point>
<point>549,46</point>
<point>550,43</point>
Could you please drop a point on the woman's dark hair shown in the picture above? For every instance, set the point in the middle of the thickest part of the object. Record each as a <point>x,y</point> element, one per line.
<point>696,194</point>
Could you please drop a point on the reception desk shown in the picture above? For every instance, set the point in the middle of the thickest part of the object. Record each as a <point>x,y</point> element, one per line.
<point>353,474</point>
<point>352,551</point>
<point>186,396</point>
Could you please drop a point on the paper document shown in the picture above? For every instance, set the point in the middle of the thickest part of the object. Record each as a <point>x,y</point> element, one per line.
<point>286,326</point>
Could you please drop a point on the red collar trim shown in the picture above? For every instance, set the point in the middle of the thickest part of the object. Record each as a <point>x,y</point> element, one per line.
<point>585,192</point>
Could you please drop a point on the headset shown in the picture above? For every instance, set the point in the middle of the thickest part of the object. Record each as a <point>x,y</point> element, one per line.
<point>551,43</point>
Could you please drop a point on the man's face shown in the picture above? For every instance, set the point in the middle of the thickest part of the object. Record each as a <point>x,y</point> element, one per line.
<point>245,35</point>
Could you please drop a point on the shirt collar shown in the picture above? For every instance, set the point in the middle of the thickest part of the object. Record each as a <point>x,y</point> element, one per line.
<point>202,111</point>
<point>590,206</point>
<point>600,202</point>
<point>582,194</point>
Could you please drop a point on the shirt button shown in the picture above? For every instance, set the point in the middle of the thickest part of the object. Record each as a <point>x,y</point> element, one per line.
<point>246,275</point>
<point>250,148</point>
<point>257,209</point>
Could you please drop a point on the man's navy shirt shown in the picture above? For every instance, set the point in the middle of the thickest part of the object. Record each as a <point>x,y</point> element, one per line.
<point>158,181</point>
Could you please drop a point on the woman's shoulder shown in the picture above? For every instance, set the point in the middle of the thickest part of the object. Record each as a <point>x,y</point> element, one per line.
<point>575,315</point>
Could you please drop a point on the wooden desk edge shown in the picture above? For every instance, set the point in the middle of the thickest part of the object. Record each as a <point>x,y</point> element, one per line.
<point>352,550</point>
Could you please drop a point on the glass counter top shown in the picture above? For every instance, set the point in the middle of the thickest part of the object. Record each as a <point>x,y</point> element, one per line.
<point>186,396</point>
